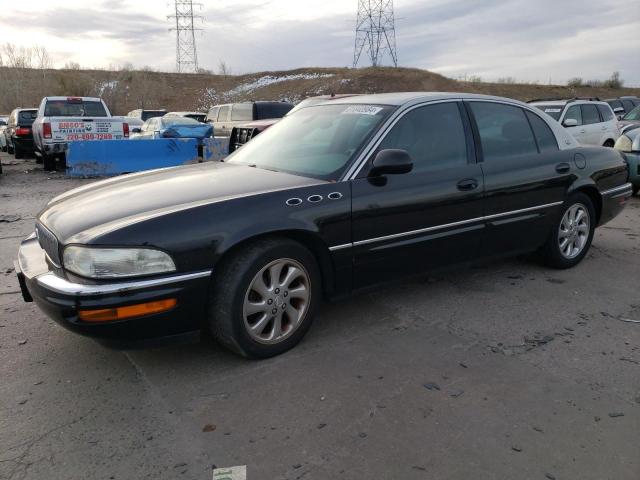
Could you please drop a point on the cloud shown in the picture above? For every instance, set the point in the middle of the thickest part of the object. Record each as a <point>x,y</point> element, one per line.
<point>541,40</point>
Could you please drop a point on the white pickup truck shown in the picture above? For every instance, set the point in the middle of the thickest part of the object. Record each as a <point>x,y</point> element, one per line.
<point>62,120</point>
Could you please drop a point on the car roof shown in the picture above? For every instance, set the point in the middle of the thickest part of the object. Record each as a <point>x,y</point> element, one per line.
<point>186,113</point>
<point>89,99</point>
<point>409,98</point>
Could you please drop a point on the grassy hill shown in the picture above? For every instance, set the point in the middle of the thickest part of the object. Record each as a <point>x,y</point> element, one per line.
<point>129,89</point>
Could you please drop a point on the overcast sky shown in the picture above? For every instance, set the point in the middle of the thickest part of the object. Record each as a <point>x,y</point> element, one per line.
<point>536,40</point>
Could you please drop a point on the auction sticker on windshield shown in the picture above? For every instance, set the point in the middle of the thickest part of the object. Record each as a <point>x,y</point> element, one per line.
<point>72,130</point>
<point>361,110</point>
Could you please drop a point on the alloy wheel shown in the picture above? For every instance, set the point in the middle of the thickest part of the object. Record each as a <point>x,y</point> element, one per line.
<point>574,230</point>
<point>276,301</point>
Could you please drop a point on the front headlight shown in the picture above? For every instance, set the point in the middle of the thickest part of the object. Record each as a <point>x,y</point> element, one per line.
<point>623,144</point>
<point>116,262</point>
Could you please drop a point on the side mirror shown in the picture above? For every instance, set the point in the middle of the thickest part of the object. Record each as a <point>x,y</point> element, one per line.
<point>136,130</point>
<point>391,162</point>
<point>570,122</point>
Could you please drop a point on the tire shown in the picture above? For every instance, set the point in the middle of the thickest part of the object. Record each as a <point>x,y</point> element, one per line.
<point>609,143</point>
<point>580,234</point>
<point>635,189</point>
<point>48,163</point>
<point>235,304</point>
<point>9,150</point>
<point>18,153</point>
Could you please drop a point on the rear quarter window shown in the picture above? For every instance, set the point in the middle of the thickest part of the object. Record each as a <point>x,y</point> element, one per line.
<point>605,112</point>
<point>545,138</point>
<point>272,110</point>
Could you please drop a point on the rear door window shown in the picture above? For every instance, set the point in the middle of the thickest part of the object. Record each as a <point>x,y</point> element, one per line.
<point>628,105</point>
<point>433,135</point>
<point>242,112</point>
<point>590,114</point>
<point>574,113</point>
<point>605,112</point>
<point>223,114</point>
<point>544,136</point>
<point>504,131</point>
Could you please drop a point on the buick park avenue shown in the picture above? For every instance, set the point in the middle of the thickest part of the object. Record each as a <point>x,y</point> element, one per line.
<point>332,199</point>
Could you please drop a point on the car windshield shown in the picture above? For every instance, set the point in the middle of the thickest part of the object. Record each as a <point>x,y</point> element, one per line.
<point>147,114</point>
<point>74,108</point>
<point>553,111</point>
<point>317,142</point>
<point>633,114</point>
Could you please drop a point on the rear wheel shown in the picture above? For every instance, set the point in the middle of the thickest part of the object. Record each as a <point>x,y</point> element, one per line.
<point>571,237</point>
<point>609,143</point>
<point>635,189</point>
<point>18,152</point>
<point>263,298</point>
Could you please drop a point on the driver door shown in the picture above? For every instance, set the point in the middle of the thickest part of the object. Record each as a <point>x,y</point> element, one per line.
<point>429,217</point>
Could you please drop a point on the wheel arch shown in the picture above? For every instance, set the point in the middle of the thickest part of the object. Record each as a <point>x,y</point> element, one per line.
<point>594,194</point>
<point>309,240</point>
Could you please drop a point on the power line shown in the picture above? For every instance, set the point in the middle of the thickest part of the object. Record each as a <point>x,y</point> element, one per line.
<point>186,54</point>
<point>375,32</point>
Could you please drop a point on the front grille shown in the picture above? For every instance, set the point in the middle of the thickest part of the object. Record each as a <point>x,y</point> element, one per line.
<point>49,243</point>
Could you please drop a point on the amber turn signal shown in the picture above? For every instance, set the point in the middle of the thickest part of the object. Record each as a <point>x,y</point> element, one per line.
<point>130,311</point>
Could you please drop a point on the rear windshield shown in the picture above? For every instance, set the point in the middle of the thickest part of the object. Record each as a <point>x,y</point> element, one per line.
<point>272,110</point>
<point>147,114</point>
<point>26,117</point>
<point>179,121</point>
<point>197,117</point>
<point>74,108</point>
<point>554,111</point>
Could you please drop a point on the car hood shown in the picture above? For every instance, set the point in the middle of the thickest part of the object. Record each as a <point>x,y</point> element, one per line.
<point>83,213</point>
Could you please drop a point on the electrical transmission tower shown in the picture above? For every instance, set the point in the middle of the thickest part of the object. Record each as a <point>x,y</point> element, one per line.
<point>375,31</point>
<point>186,55</point>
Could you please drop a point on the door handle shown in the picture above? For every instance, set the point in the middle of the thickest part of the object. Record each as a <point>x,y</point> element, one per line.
<point>563,168</point>
<point>467,184</point>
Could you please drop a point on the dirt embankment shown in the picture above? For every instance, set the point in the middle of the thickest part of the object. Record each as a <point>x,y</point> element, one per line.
<point>126,90</point>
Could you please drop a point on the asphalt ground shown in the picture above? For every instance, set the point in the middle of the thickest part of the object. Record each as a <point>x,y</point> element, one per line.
<point>504,371</point>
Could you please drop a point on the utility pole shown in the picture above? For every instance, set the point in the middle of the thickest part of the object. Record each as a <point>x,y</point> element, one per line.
<point>375,32</point>
<point>186,54</point>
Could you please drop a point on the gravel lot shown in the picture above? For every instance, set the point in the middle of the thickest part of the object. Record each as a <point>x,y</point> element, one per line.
<point>505,371</point>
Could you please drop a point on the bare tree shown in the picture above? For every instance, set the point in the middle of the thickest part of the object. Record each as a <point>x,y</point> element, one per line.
<point>223,68</point>
<point>71,65</point>
<point>17,57</point>
<point>43,59</point>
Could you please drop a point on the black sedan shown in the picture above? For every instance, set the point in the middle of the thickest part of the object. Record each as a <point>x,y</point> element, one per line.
<point>332,199</point>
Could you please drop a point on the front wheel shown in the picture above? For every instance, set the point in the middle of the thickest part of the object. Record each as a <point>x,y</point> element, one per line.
<point>571,237</point>
<point>263,298</point>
